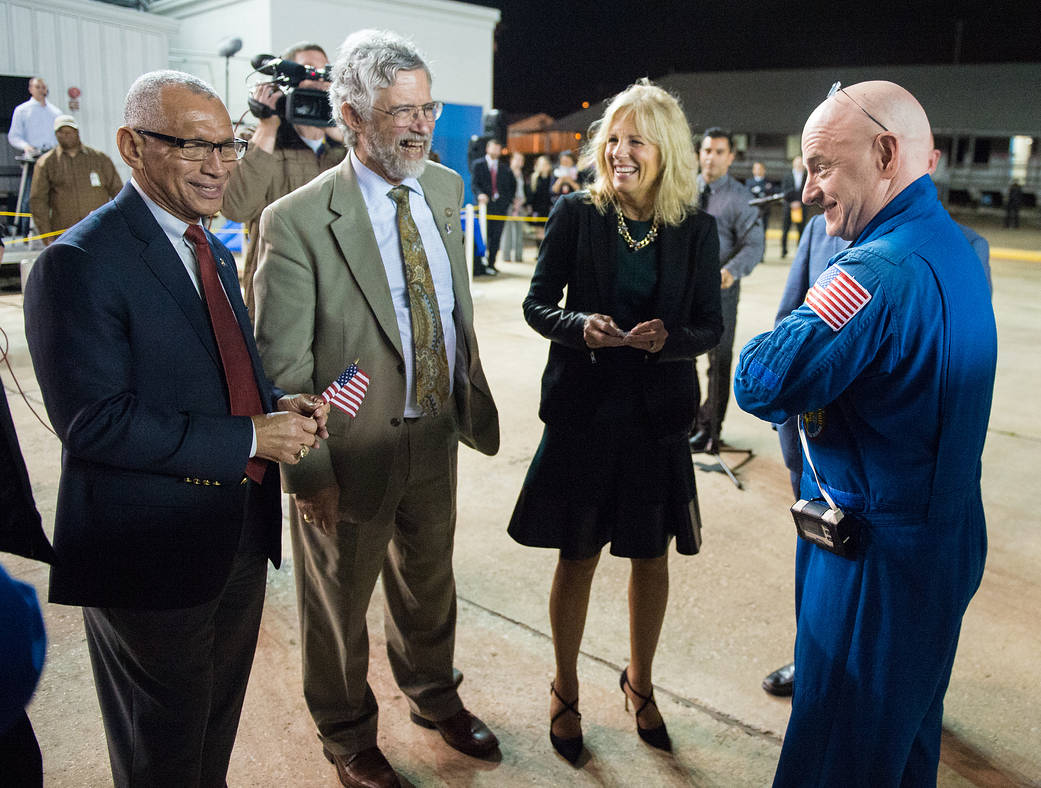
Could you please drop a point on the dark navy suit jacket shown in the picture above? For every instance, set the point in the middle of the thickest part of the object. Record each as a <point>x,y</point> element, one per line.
<point>151,507</point>
<point>481,182</point>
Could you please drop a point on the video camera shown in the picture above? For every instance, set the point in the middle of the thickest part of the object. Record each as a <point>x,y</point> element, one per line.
<point>299,106</point>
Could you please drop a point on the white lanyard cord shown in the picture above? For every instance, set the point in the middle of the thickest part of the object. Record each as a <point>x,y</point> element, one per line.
<point>806,452</point>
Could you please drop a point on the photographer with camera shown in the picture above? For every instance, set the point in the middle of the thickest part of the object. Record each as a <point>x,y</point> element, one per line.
<point>295,140</point>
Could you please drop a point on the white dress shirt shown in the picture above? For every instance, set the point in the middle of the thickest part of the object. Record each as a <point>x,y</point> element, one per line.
<point>383,214</point>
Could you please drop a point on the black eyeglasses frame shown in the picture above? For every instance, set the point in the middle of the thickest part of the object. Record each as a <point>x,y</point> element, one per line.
<point>237,145</point>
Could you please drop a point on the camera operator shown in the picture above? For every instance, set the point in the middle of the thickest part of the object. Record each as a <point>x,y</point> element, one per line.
<point>282,156</point>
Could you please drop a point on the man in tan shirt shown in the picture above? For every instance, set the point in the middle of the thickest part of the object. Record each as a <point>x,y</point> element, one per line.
<point>70,181</point>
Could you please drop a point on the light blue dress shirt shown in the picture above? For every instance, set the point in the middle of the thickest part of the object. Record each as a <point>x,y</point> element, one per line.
<point>33,123</point>
<point>383,214</point>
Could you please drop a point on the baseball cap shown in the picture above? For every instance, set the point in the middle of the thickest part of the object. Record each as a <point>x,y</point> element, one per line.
<point>65,120</point>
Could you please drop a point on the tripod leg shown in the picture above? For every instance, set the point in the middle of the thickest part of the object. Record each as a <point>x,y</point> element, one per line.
<point>728,472</point>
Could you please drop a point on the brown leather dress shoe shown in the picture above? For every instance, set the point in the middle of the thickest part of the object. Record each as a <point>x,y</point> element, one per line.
<point>365,769</point>
<point>463,731</point>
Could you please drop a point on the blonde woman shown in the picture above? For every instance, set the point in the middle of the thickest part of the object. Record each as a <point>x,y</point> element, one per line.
<point>540,192</point>
<point>641,267</point>
<point>513,234</point>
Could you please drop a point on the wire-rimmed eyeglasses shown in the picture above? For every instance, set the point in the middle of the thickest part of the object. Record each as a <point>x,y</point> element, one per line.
<point>838,87</point>
<point>409,114</point>
<point>199,150</point>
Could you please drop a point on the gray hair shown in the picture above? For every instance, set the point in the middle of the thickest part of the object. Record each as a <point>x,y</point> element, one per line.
<point>144,101</point>
<point>369,60</point>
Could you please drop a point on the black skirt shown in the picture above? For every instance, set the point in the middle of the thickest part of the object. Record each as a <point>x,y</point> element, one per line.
<point>611,482</point>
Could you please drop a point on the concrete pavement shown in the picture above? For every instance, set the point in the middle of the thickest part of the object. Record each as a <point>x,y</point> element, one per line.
<point>730,618</point>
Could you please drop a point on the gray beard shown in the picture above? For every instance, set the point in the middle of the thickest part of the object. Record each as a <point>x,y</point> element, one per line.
<point>394,164</point>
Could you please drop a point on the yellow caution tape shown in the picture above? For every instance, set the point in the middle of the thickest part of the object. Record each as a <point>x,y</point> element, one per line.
<point>34,237</point>
<point>513,218</point>
<point>1001,253</point>
<point>8,213</point>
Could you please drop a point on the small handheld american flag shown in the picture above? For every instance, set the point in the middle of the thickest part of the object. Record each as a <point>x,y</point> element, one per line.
<point>348,390</point>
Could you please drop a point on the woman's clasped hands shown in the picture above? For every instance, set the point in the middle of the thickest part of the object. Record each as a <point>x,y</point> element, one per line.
<point>601,331</point>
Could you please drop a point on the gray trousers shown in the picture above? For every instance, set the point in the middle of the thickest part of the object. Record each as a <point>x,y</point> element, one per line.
<point>171,682</point>
<point>720,360</point>
<point>513,242</point>
<point>410,541</point>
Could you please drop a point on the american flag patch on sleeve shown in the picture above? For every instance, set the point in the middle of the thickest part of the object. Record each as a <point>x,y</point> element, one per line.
<point>836,297</point>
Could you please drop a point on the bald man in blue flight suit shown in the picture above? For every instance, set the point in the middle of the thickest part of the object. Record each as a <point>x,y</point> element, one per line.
<point>890,361</point>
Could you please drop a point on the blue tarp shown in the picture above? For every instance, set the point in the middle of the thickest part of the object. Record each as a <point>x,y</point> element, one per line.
<point>231,236</point>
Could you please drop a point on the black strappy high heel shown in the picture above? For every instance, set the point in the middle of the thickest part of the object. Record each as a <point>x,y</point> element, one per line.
<point>656,737</point>
<point>568,749</point>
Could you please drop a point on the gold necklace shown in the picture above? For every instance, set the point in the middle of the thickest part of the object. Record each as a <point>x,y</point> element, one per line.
<point>635,246</point>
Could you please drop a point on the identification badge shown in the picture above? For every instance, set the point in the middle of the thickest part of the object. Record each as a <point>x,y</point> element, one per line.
<point>95,180</point>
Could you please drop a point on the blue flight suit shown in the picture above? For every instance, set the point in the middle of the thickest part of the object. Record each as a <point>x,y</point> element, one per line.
<point>816,248</point>
<point>896,400</point>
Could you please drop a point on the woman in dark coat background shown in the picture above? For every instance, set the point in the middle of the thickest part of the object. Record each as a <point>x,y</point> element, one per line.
<point>538,192</point>
<point>641,268</point>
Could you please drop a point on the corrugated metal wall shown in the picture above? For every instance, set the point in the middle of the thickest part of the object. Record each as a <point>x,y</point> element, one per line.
<point>95,47</point>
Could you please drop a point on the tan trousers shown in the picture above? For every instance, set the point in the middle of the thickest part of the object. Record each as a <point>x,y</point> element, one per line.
<point>410,540</point>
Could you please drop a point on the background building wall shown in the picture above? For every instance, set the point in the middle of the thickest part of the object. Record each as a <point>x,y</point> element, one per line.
<point>99,48</point>
<point>456,38</point>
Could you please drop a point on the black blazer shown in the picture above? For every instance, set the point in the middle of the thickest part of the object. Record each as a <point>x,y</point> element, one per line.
<point>134,386</point>
<point>481,182</point>
<point>21,530</point>
<point>792,193</point>
<point>579,252</point>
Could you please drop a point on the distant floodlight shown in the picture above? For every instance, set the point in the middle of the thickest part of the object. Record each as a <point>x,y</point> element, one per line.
<point>227,48</point>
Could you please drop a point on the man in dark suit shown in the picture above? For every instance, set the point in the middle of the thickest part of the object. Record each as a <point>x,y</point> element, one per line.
<point>791,185</point>
<point>494,183</point>
<point>760,188</point>
<point>169,499</point>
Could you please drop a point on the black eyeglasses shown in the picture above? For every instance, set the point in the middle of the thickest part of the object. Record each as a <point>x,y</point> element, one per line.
<point>407,115</point>
<point>837,87</point>
<point>199,150</point>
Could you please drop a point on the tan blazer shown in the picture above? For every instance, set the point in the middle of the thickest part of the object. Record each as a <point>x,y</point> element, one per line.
<point>323,301</point>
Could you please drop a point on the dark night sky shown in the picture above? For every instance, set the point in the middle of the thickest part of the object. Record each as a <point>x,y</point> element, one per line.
<point>553,54</point>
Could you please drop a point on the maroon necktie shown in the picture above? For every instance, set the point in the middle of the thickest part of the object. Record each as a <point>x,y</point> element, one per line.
<point>238,367</point>
<point>494,169</point>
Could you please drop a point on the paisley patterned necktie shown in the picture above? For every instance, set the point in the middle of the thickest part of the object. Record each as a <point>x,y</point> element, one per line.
<point>428,337</point>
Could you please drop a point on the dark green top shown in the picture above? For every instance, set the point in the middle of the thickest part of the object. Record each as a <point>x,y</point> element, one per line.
<point>637,277</point>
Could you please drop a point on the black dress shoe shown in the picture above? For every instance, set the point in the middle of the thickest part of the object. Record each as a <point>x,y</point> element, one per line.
<point>486,271</point>
<point>699,441</point>
<point>463,731</point>
<point>781,682</point>
<point>365,769</point>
